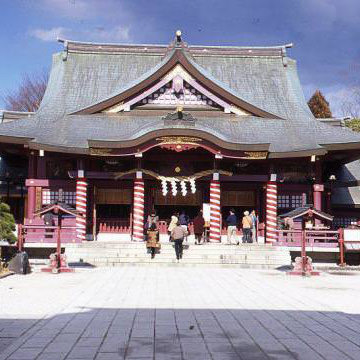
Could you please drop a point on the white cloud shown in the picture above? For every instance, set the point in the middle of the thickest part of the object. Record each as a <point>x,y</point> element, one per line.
<point>100,34</point>
<point>118,33</point>
<point>49,34</point>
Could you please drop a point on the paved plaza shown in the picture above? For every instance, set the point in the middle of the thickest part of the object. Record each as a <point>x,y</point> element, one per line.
<point>179,313</point>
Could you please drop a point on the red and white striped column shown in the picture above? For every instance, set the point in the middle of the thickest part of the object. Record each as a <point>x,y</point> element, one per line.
<point>271,212</point>
<point>215,210</point>
<point>81,202</point>
<point>138,213</point>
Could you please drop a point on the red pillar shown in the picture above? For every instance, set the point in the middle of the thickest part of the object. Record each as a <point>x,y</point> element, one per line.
<point>81,206</point>
<point>138,212</point>
<point>318,189</point>
<point>215,210</point>
<point>31,201</point>
<point>31,190</point>
<point>271,212</point>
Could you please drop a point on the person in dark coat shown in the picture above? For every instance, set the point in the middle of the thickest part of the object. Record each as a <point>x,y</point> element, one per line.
<point>184,222</point>
<point>199,223</point>
<point>231,222</point>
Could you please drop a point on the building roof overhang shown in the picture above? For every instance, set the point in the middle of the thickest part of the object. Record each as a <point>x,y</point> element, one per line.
<point>307,210</point>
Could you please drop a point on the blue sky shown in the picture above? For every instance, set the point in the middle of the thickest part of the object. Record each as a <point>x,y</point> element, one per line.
<point>325,33</point>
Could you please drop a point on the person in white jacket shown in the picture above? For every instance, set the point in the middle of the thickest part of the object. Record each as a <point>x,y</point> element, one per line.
<point>174,220</point>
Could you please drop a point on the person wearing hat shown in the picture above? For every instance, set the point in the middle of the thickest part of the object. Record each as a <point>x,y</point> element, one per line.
<point>247,225</point>
<point>231,221</point>
<point>152,219</point>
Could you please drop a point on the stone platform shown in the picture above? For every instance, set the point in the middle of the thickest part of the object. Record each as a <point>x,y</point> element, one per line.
<point>118,253</point>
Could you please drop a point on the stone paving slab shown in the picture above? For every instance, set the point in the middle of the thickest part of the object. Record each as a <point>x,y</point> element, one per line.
<point>179,313</point>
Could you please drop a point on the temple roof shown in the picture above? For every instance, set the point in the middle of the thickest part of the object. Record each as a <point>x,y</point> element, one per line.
<point>259,76</point>
<point>10,115</point>
<point>306,210</point>
<point>263,80</point>
<point>279,137</point>
<point>347,192</point>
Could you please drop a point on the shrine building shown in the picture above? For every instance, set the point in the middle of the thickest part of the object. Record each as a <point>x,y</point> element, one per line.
<point>123,130</point>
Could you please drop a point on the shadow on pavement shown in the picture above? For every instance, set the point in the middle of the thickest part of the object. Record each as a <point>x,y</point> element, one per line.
<point>144,333</point>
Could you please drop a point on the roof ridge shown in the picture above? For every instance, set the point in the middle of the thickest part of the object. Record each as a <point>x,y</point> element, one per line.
<point>84,46</point>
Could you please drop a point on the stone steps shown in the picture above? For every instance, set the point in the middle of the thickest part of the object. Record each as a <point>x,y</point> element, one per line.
<point>117,254</point>
<point>141,245</point>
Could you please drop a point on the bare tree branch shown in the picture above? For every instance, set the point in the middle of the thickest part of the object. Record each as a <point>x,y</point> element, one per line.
<point>350,106</point>
<point>29,94</point>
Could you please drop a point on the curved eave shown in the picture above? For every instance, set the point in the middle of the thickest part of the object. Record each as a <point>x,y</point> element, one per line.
<point>342,146</point>
<point>297,153</point>
<point>58,148</point>
<point>22,140</point>
<point>148,140</point>
<point>178,57</point>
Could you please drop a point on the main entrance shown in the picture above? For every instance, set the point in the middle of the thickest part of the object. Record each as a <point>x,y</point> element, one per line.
<point>165,206</point>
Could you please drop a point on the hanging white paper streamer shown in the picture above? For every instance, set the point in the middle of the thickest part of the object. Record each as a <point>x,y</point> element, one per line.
<point>164,187</point>
<point>173,187</point>
<point>193,186</point>
<point>183,188</point>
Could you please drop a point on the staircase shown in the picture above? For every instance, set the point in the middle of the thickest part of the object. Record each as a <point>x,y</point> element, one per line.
<point>120,253</point>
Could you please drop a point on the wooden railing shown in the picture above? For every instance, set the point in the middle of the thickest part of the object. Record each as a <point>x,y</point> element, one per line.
<point>123,226</point>
<point>119,226</point>
<point>37,232</point>
<point>40,233</point>
<point>314,238</point>
<point>260,229</point>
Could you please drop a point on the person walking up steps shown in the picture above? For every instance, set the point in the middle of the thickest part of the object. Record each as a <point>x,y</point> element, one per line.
<point>184,221</point>
<point>254,224</point>
<point>178,234</point>
<point>174,220</point>
<point>199,223</point>
<point>231,221</point>
<point>152,240</point>
<point>247,225</point>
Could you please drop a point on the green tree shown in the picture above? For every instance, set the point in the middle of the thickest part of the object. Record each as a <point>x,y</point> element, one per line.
<point>353,124</point>
<point>7,224</point>
<point>319,106</point>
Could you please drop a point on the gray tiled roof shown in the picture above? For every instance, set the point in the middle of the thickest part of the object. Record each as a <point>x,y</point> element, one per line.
<point>262,81</point>
<point>346,196</point>
<point>349,172</point>
<point>86,77</point>
<point>74,131</point>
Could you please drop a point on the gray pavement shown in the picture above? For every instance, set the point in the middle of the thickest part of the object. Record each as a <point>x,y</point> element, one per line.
<point>179,313</point>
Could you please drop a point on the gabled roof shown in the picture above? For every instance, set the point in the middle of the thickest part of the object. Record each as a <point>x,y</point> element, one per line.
<point>175,57</point>
<point>61,208</point>
<point>305,210</point>
<point>86,74</point>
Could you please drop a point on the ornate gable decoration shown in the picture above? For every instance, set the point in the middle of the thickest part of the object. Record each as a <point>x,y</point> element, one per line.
<point>179,118</point>
<point>176,88</point>
<point>185,94</point>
